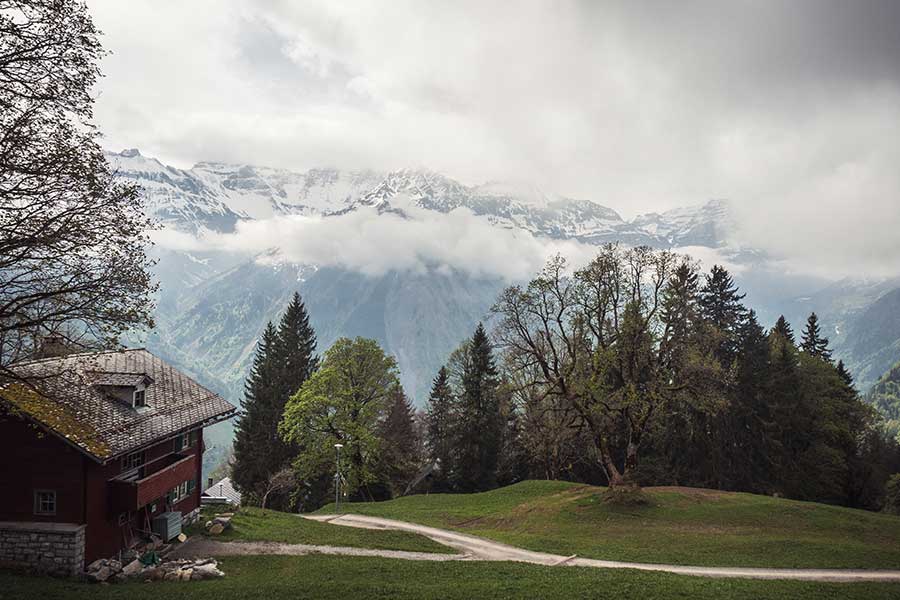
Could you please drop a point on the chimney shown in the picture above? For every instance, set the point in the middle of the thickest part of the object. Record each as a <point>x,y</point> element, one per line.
<point>53,344</point>
<point>209,483</point>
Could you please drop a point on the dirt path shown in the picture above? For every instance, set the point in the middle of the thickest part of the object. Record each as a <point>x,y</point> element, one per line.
<point>477,548</point>
<point>199,546</point>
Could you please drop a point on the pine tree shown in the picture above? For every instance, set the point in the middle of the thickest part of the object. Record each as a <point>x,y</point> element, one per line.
<point>844,373</point>
<point>440,429</point>
<point>479,435</point>
<point>399,443</point>
<point>284,360</point>
<point>251,438</point>
<point>721,307</point>
<point>813,342</point>
<point>749,452</point>
<point>783,328</point>
<point>296,346</point>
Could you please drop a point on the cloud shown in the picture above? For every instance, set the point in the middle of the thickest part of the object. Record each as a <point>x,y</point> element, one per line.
<point>374,244</point>
<point>790,109</point>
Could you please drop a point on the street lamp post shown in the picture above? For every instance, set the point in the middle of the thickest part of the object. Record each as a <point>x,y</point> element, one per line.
<point>337,477</point>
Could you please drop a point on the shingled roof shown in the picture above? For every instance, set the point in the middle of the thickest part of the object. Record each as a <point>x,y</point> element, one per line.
<point>71,402</point>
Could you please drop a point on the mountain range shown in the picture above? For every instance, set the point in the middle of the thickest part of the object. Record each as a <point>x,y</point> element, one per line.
<point>214,303</point>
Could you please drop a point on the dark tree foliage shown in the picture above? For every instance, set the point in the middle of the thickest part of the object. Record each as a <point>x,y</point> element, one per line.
<point>251,466</point>
<point>479,424</point>
<point>440,430</point>
<point>284,360</point>
<point>784,330</point>
<point>813,342</point>
<point>399,455</point>
<point>721,307</point>
<point>72,239</point>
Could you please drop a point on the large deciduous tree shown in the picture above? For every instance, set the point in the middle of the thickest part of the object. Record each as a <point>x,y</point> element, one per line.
<point>601,340</point>
<point>72,238</point>
<point>343,402</point>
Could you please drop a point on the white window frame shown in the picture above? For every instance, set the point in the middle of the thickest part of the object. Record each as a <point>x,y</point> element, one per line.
<point>142,394</point>
<point>39,502</point>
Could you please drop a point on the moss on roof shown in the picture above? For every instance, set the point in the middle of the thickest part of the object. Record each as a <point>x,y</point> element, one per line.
<point>57,417</point>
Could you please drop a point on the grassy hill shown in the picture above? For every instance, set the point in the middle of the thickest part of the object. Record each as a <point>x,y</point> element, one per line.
<point>252,524</point>
<point>681,526</point>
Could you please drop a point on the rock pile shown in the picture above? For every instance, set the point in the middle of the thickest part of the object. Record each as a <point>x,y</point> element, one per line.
<point>219,523</point>
<point>108,571</point>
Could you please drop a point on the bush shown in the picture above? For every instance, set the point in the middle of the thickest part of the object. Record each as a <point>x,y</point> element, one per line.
<point>892,495</point>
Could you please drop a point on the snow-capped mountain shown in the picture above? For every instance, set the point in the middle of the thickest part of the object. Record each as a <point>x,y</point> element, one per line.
<point>215,196</point>
<point>213,305</point>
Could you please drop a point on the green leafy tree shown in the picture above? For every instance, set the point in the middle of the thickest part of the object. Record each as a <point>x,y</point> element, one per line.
<point>596,340</point>
<point>813,343</point>
<point>343,402</point>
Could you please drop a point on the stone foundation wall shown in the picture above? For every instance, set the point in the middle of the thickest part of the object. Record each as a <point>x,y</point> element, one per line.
<point>189,518</point>
<point>54,548</point>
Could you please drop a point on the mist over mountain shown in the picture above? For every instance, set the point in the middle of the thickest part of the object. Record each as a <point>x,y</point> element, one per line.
<point>415,259</point>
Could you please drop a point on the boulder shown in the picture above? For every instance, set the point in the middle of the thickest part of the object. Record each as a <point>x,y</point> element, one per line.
<point>216,529</point>
<point>206,571</point>
<point>132,568</point>
<point>172,576</point>
<point>100,575</point>
<point>95,566</point>
<point>185,574</point>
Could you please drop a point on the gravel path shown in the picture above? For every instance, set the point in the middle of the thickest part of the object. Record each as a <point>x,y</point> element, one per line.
<point>477,548</point>
<point>199,546</point>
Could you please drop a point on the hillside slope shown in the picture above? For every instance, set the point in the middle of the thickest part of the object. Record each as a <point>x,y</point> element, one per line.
<point>680,526</point>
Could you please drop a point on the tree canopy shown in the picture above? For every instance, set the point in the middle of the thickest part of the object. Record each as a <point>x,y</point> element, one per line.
<point>72,239</point>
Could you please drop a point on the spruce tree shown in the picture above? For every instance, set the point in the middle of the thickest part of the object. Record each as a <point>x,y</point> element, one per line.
<point>479,422</point>
<point>720,305</point>
<point>251,437</point>
<point>285,359</point>
<point>844,373</point>
<point>440,429</point>
<point>813,342</point>
<point>783,329</point>
<point>296,346</point>
<point>400,443</point>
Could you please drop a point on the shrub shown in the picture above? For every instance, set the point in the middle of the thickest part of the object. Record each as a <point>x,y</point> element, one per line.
<point>892,495</point>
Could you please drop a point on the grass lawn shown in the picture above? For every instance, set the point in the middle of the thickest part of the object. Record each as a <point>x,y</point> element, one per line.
<point>681,526</point>
<point>252,524</point>
<point>327,577</point>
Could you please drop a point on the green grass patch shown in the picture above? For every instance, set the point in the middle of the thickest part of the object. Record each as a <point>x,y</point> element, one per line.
<point>333,577</point>
<point>680,526</point>
<point>252,524</point>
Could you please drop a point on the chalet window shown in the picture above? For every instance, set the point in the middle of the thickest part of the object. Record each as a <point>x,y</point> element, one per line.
<point>185,441</point>
<point>181,491</point>
<point>133,461</point>
<point>44,502</point>
<point>139,399</point>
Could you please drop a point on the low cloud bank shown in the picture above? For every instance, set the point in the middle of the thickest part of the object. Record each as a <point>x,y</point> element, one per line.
<point>373,244</point>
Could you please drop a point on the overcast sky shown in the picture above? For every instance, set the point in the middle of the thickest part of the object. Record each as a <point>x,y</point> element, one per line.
<point>790,109</point>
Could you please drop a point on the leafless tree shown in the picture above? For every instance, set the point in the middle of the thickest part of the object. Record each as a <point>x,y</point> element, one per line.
<point>72,239</point>
<point>281,481</point>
